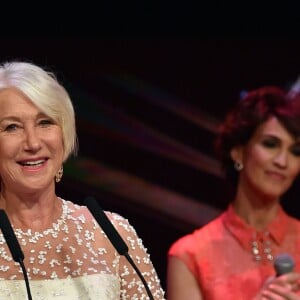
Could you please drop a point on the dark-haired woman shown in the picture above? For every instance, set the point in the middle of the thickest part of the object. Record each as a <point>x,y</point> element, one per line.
<point>232,257</point>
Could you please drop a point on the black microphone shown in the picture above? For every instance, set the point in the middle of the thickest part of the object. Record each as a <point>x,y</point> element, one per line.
<point>283,263</point>
<point>14,246</point>
<point>113,235</point>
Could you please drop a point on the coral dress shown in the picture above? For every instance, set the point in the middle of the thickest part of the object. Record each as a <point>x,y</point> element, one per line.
<point>230,260</point>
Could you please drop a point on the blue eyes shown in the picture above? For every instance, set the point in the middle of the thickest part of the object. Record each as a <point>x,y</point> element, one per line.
<point>11,127</point>
<point>46,122</point>
<point>41,123</point>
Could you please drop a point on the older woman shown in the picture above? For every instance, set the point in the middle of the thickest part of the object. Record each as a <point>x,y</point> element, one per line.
<point>67,255</point>
<point>232,257</point>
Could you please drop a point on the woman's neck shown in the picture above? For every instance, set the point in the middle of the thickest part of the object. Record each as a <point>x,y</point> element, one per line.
<point>37,213</point>
<point>255,211</point>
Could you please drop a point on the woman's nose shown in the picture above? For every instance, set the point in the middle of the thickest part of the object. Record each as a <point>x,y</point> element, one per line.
<point>281,159</point>
<point>32,140</point>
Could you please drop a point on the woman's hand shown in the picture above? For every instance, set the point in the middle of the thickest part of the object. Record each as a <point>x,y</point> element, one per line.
<point>286,287</point>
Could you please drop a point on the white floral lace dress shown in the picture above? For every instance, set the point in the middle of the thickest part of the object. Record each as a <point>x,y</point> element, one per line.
<point>75,260</point>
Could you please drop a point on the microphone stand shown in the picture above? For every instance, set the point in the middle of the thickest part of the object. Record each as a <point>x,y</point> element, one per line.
<point>14,247</point>
<point>25,278</point>
<point>113,236</point>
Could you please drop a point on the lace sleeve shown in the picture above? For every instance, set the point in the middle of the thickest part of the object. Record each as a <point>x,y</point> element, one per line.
<point>131,285</point>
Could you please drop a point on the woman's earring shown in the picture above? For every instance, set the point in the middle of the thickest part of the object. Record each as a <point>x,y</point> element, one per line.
<point>238,166</point>
<point>59,174</point>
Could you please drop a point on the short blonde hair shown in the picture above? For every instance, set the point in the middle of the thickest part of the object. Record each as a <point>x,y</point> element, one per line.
<point>43,89</point>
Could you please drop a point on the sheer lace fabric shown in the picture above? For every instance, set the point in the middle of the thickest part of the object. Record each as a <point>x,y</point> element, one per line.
<point>75,260</point>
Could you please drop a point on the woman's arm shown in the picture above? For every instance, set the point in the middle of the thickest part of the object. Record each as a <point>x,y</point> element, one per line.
<point>181,283</point>
<point>131,284</point>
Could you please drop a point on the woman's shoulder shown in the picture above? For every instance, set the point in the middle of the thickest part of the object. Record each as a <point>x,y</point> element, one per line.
<point>119,221</point>
<point>81,213</point>
<point>206,230</point>
<point>77,209</point>
<point>199,236</point>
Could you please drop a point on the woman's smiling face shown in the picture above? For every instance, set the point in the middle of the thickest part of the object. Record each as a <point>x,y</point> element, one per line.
<point>31,144</point>
<point>271,160</point>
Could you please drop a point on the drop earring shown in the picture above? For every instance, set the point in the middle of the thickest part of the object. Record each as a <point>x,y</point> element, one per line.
<point>59,174</point>
<point>238,166</point>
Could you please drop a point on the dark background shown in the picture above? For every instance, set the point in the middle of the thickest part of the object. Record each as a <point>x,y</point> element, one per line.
<point>150,83</point>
